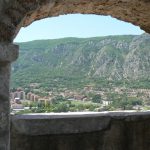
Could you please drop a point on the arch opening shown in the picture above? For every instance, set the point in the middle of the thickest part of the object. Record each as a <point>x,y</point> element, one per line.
<point>76,70</point>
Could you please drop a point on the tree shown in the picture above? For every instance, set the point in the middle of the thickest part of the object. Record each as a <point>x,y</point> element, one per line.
<point>58,99</point>
<point>96,99</point>
<point>61,107</point>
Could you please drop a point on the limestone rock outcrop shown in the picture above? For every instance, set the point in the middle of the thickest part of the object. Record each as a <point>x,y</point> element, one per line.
<point>109,57</point>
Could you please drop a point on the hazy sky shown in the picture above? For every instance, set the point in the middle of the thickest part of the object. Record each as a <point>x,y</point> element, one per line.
<point>76,26</point>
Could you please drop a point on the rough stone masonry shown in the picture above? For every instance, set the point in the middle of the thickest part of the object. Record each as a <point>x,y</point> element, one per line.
<point>81,131</point>
<point>15,14</point>
<point>8,53</point>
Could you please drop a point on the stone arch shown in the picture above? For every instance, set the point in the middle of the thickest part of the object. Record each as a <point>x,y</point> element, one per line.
<point>15,14</point>
<point>20,13</point>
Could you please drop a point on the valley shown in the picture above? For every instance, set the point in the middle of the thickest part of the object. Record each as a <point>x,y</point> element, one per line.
<point>116,69</point>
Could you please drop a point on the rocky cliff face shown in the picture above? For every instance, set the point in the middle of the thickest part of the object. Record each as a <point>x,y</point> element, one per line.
<point>137,61</point>
<point>112,57</point>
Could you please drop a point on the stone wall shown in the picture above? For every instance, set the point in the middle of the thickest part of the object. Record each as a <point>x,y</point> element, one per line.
<point>96,131</point>
<point>8,53</point>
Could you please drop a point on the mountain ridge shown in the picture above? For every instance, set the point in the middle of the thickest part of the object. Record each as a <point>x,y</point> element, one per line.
<point>110,57</point>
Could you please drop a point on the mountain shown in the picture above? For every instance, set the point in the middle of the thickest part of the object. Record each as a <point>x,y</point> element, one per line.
<point>67,59</point>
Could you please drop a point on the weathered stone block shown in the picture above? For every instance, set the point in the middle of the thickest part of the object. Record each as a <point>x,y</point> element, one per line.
<point>8,52</point>
<point>96,131</point>
<point>4,105</point>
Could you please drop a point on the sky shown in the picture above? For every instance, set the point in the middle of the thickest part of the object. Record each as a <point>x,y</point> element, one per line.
<point>76,25</point>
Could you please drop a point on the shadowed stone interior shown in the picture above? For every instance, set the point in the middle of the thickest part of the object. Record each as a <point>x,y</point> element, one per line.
<point>121,132</point>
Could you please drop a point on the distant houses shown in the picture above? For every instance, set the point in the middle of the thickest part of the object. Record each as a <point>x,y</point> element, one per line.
<point>19,96</point>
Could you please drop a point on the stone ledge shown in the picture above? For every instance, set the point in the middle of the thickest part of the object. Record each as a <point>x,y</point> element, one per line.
<point>8,52</point>
<point>70,123</point>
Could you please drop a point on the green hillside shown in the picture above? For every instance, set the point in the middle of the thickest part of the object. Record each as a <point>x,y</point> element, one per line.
<point>75,62</point>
